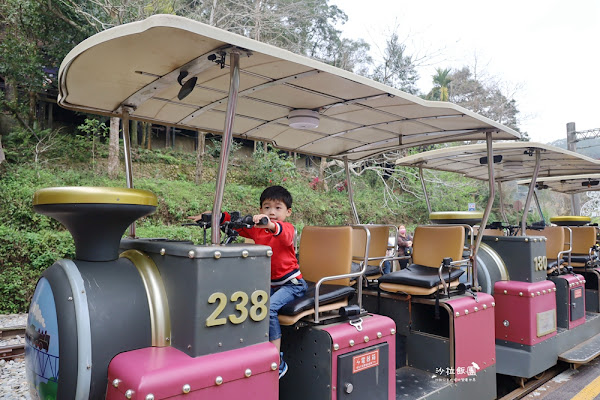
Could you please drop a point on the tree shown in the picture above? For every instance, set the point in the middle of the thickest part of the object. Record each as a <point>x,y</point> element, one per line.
<point>440,81</point>
<point>397,69</point>
<point>487,97</point>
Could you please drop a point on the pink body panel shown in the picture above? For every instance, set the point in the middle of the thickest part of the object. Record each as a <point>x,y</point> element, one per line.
<point>522,307</point>
<point>577,282</point>
<point>163,372</point>
<point>373,326</point>
<point>474,341</point>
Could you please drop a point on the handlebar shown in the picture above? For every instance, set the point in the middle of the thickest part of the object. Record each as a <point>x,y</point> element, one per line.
<point>237,221</point>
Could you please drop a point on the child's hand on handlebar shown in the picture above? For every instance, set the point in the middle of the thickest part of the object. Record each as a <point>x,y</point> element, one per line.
<point>261,224</point>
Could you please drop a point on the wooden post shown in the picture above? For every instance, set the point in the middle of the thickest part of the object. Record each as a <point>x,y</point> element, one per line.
<point>149,136</point>
<point>113,148</point>
<point>200,146</point>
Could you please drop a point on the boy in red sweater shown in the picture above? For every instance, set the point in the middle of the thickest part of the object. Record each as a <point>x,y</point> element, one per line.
<point>286,280</point>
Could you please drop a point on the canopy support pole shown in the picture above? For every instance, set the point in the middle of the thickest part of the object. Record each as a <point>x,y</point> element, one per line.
<point>538,205</point>
<point>351,191</point>
<point>488,208</point>
<point>127,153</point>
<point>234,86</point>
<point>502,210</point>
<point>530,191</point>
<point>424,188</point>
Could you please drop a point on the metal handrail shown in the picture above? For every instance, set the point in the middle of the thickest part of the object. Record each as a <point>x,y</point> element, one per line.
<point>359,274</point>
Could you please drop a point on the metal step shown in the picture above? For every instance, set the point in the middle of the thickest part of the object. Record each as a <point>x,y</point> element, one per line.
<point>582,353</point>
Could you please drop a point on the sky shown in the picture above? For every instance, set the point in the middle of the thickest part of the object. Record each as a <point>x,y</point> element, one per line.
<point>546,52</point>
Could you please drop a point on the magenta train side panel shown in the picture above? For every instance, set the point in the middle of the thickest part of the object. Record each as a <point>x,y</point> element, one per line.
<point>525,312</point>
<point>376,329</point>
<point>166,372</point>
<point>473,351</point>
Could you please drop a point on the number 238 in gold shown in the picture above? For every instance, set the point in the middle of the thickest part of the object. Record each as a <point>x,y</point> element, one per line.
<point>257,312</point>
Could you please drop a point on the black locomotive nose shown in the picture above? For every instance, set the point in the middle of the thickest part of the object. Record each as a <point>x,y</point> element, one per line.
<point>95,216</point>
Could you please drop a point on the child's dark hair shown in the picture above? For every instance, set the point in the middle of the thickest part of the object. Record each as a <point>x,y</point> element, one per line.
<point>277,193</point>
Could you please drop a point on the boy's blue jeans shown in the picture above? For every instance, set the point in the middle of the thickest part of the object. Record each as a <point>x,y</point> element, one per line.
<point>280,296</point>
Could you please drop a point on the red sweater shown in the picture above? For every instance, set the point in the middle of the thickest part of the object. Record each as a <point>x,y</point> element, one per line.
<point>284,265</point>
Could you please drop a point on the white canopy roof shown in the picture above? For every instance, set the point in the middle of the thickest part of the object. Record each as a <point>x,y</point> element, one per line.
<point>138,64</point>
<point>518,161</point>
<point>568,184</point>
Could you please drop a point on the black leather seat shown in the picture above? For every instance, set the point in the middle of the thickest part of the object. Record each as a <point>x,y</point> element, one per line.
<point>420,276</point>
<point>327,294</point>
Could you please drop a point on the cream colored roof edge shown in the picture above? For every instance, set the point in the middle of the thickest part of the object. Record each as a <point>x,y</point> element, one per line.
<point>451,155</point>
<point>573,183</point>
<point>197,28</point>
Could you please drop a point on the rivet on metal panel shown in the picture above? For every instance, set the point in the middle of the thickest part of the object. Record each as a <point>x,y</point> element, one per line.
<point>186,388</point>
<point>129,393</point>
<point>351,342</point>
<point>217,255</point>
<point>70,298</point>
<point>273,366</point>
<point>336,346</point>
<point>116,382</point>
<point>466,312</point>
<point>269,253</point>
<point>526,240</point>
<point>538,293</point>
<point>534,240</point>
<point>245,253</point>
<point>149,396</point>
<point>505,291</point>
<point>457,314</point>
<point>366,339</point>
<point>485,306</point>
<point>163,252</point>
<point>219,380</point>
<point>521,294</point>
<point>393,331</point>
<point>220,344</point>
<point>532,294</point>
<point>241,340</point>
<point>497,239</point>
<point>476,309</point>
<point>493,304</point>
<point>554,289</point>
<point>544,291</point>
<point>248,373</point>
<point>189,346</point>
<point>379,335</point>
<point>191,254</point>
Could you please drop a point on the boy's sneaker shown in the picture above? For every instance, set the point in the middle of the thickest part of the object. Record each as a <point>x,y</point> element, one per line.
<point>283,367</point>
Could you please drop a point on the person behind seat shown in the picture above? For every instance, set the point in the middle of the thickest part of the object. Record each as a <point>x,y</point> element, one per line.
<point>286,280</point>
<point>404,245</point>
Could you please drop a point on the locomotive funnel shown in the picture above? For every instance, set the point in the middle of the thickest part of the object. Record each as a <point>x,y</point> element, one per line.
<point>95,216</point>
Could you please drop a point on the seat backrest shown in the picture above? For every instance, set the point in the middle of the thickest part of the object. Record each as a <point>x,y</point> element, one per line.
<point>555,240</point>
<point>584,237</point>
<point>431,244</point>
<point>326,251</point>
<point>377,245</point>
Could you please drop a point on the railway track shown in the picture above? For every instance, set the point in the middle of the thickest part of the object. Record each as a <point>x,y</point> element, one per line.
<point>13,342</point>
<point>527,386</point>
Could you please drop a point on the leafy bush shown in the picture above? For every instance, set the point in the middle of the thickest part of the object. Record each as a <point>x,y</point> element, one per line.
<point>270,168</point>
